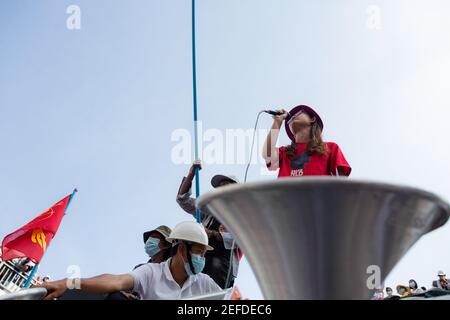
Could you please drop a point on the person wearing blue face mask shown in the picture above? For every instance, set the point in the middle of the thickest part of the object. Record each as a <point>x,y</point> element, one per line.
<point>177,278</point>
<point>158,250</point>
<point>181,276</point>
<point>155,244</point>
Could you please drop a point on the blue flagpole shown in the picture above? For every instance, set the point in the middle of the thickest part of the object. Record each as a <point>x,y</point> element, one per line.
<point>194,80</point>
<point>33,272</point>
<point>30,277</point>
<point>70,199</point>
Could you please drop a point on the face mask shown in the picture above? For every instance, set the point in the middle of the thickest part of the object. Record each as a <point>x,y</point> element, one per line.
<point>389,293</point>
<point>152,246</point>
<point>412,285</point>
<point>198,263</point>
<point>227,240</point>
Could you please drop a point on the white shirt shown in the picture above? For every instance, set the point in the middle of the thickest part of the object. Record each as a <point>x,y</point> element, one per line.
<point>154,281</point>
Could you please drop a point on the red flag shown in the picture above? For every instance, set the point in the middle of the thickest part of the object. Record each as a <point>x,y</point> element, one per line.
<point>32,239</point>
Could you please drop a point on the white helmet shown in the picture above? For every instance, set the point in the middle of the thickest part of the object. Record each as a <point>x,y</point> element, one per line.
<point>190,231</point>
<point>441,273</point>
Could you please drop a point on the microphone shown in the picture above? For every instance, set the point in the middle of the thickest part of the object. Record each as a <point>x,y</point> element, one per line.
<point>274,113</point>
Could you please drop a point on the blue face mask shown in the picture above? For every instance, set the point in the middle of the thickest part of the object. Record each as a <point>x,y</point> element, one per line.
<point>198,263</point>
<point>228,240</point>
<point>152,246</point>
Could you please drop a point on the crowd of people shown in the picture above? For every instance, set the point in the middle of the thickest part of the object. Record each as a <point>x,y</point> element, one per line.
<point>440,284</point>
<point>201,258</point>
<point>190,259</point>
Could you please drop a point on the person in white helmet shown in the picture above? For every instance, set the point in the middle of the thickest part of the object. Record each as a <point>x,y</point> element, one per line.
<point>178,277</point>
<point>442,282</point>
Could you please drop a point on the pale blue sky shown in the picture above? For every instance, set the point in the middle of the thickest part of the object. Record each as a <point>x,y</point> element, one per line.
<point>95,108</point>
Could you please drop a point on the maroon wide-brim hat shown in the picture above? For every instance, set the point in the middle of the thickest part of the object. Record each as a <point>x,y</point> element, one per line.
<point>310,111</point>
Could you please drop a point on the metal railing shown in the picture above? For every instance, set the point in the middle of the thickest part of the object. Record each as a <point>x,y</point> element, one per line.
<point>11,279</point>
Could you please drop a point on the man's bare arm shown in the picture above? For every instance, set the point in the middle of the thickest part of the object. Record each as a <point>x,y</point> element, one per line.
<point>105,283</point>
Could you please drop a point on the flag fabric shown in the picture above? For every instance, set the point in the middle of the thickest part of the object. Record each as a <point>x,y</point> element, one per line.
<point>32,239</point>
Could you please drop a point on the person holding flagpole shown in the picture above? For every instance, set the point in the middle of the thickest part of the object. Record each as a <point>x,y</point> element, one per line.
<point>222,264</point>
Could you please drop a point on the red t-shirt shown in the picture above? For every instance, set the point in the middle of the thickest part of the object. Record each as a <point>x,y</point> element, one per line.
<point>305,164</point>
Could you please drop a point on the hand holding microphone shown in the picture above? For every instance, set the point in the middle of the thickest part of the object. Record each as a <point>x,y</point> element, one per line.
<point>277,115</point>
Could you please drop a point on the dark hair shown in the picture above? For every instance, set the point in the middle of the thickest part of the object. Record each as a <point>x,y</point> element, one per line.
<point>315,145</point>
<point>415,283</point>
<point>173,251</point>
<point>167,253</point>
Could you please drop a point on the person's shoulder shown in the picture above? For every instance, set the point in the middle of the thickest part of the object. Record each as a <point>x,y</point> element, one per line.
<point>150,265</point>
<point>206,283</point>
<point>331,144</point>
<point>204,278</point>
<point>139,265</point>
